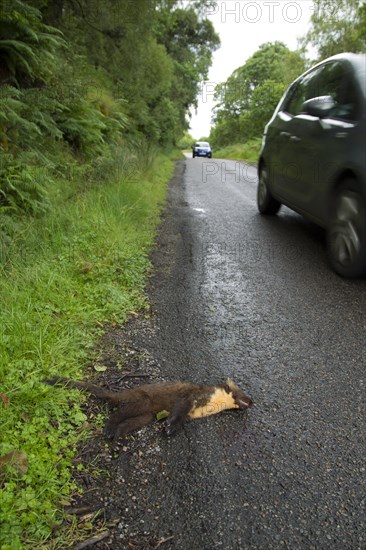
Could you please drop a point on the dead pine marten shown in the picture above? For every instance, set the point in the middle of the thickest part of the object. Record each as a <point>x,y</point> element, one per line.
<point>138,406</point>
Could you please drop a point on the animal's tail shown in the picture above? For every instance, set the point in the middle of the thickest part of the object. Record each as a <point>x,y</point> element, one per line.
<point>95,390</point>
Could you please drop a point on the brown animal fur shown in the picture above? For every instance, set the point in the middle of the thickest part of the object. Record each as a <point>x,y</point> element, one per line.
<point>138,406</point>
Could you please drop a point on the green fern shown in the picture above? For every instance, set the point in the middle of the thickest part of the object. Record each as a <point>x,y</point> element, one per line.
<point>26,117</point>
<point>42,104</point>
<point>81,124</point>
<point>15,127</point>
<point>23,186</point>
<point>27,46</point>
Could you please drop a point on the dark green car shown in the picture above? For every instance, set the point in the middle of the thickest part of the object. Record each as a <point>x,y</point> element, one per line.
<point>313,157</point>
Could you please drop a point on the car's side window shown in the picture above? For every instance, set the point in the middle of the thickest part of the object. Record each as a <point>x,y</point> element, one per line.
<point>334,81</point>
<point>302,90</point>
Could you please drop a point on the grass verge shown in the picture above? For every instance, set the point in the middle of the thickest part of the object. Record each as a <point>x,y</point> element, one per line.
<point>66,276</point>
<point>248,151</point>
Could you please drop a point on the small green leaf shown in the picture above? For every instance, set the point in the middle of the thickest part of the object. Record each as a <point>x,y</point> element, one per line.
<point>161,415</point>
<point>100,368</point>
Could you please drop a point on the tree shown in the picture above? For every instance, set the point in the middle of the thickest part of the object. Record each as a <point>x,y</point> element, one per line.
<point>190,41</point>
<point>247,99</point>
<point>337,26</point>
<point>155,53</point>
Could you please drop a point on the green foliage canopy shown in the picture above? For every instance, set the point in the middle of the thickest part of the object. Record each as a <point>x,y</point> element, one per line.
<point>155,53</point>
<point>91,75</point>
<point>337,26</point>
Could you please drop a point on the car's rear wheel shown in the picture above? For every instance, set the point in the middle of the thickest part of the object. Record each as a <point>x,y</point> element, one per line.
<point>346,235</point>
<point>265,202</point>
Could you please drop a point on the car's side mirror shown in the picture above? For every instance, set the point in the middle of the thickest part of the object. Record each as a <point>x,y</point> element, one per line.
<point>319,106</point>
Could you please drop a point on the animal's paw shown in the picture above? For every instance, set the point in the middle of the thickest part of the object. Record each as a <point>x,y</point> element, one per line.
<point>171,427</point>
<point>110,431</point>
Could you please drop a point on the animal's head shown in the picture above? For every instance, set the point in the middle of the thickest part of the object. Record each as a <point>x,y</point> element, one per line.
<point>241,400</point>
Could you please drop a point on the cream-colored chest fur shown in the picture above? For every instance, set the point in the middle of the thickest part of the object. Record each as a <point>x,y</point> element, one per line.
<point>220,401</point>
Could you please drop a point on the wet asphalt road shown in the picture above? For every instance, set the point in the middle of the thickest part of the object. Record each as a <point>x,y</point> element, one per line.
<point>240,295</point>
